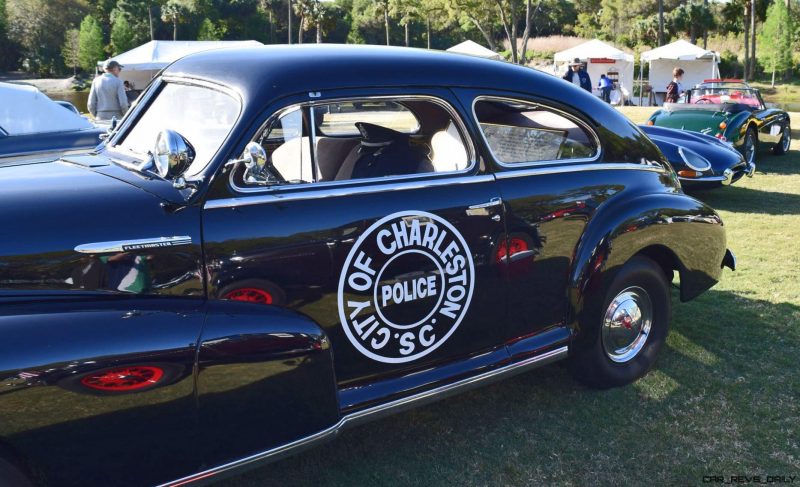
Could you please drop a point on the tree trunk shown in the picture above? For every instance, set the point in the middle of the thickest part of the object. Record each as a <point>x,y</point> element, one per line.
<point>150,14</point>
<point>746,41</point>
<point>752,73</point>
<point>512,40</point>
<point>289,21</point>
<point>319,33</point>
<point>406,27</point>
<point>773,77</point>
<point>271,29</point>
<point>484,33</point>
<point>660,22</point>
<point>705,29</point>
<point>526,34</point>
<point>428,28</point>
<point>300,27</point>
<point>174,27</point>
<point>386,21</point>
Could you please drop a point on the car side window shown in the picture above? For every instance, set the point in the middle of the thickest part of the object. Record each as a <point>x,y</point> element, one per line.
<point>361,139</point>
<point>519,132</point>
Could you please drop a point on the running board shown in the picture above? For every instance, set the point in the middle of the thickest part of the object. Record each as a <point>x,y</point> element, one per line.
<point>375,412</point>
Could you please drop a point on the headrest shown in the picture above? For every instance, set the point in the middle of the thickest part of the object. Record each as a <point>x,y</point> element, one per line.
<point>374,135</point>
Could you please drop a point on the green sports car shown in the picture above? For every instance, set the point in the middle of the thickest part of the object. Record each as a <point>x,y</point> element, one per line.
<point>731,111</point>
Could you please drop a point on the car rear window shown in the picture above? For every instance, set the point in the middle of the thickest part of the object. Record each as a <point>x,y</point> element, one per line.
<point>519,132</point>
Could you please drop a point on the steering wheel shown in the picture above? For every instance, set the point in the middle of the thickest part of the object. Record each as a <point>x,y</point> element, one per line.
<point>703,101</point>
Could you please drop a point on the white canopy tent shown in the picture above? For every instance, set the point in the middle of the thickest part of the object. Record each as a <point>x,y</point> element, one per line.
<point>601,58</point>
<point>25,110</point>
<point>697,63</point>
<point>474,49</point>
<point>141,64</point>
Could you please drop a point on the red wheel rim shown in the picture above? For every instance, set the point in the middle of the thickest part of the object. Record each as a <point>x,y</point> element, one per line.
<point>250,295</point>
<point>124,378</point>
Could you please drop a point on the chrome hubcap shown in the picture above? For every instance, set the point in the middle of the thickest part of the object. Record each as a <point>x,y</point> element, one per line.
<point>749,148</point>
<point>626,324</point>
<point>787,139</point>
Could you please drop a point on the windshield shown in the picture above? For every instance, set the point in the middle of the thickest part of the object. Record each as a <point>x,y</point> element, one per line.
<point>725,94</point>
<point>203,116</point>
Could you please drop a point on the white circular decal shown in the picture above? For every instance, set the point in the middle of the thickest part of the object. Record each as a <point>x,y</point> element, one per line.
<point>405,286</point>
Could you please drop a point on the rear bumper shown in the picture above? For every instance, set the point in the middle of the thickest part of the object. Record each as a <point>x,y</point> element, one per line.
<point>729,260</point>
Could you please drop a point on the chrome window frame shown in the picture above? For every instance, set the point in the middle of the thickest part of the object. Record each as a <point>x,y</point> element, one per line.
<point>129,120</point>
<point>544,162</point>
<point>332,185</point>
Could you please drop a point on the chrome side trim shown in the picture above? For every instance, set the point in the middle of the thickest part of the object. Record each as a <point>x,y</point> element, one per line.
<point>375,411</point>
<point>318,191</point>
<point>567,168</point>
<point>564,114</point>
<point>128,245</point>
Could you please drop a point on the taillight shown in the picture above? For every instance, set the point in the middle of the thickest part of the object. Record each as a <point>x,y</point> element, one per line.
<point>650,122</point>
<point>509,247</point>
<point>723,125</point>
<point>688,173</point>
<point>249,295</point>
<point>124,379</point>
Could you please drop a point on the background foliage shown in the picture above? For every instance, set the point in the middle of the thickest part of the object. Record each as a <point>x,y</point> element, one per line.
<point>34,34</point>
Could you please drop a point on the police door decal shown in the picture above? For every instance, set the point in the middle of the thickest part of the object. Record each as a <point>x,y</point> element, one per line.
<point>405,286</point>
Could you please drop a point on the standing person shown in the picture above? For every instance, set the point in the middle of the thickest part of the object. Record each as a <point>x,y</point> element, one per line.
<point>605,86</point>
<point>674,88</point>
<point>107,98</point>
<point>578,76</point>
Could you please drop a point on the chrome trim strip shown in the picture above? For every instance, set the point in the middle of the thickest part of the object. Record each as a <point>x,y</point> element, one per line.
<point>359,416</point>
<point>318,191</point>
<point>566,115</point>
<point>129,245</point>
<point>454,116</point>
<point>492,202</point>
<point>567,168</point>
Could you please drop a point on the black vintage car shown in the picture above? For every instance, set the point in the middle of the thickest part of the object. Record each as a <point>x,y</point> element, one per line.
<point>278,243</point>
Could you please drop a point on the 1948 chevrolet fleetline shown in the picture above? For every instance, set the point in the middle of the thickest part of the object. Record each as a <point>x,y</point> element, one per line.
<point>277,243</point>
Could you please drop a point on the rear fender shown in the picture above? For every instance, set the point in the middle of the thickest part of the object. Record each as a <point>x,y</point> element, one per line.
<point>685,233</point>
<point>737,125</point>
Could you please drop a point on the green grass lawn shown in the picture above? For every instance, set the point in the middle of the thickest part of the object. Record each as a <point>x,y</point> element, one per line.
<point>723,398</point>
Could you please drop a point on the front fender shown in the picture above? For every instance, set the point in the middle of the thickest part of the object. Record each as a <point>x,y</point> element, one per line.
<point>737,125</point>
<point>686,232</point>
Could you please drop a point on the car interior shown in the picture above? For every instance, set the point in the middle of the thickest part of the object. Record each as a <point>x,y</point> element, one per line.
<point>360,139</point>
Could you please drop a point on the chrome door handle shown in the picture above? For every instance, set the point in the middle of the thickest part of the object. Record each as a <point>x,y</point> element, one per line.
<point>482,209</point>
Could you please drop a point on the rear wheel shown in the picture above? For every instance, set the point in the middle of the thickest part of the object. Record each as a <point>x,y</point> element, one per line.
<point>623,335</point>
<point>750,145</point>
<point>782,147</point>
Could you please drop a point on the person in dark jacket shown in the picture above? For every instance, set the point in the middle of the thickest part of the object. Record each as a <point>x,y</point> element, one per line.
<point>674,88</point>
<point>578,76</point>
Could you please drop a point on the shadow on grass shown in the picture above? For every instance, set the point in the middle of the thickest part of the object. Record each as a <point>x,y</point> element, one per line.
<point>701,411</point>
<point>746,200</point>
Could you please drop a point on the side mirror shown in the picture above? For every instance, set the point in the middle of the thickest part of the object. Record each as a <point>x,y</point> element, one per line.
<point>172,154</point>
<point>254,157</point>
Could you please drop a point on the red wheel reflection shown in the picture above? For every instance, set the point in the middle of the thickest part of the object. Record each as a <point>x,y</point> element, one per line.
<point>250,295</point>
<point>124,379</point>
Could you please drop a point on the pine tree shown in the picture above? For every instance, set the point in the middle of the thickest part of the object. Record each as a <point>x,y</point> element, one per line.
<point>71,49</point>
<point>121,35</point>
<point>775,39</point>
<point>90,42</point>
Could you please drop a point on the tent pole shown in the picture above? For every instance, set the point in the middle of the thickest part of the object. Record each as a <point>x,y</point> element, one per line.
<point>641,87</point>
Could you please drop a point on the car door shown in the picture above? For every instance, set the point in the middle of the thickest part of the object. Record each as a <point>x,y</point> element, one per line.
<point>537,151</point>
<point>399,268</point>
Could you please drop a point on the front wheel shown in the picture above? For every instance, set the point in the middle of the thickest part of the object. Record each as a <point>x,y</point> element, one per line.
<point>782,147</point>
<point>750,146</point>
<point>623,335</point>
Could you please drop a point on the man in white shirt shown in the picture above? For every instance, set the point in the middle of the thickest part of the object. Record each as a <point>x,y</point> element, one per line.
<point>107,98</point>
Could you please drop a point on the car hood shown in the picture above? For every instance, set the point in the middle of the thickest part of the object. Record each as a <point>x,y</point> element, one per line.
<point>48,209</point>
<point>721,155</point>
